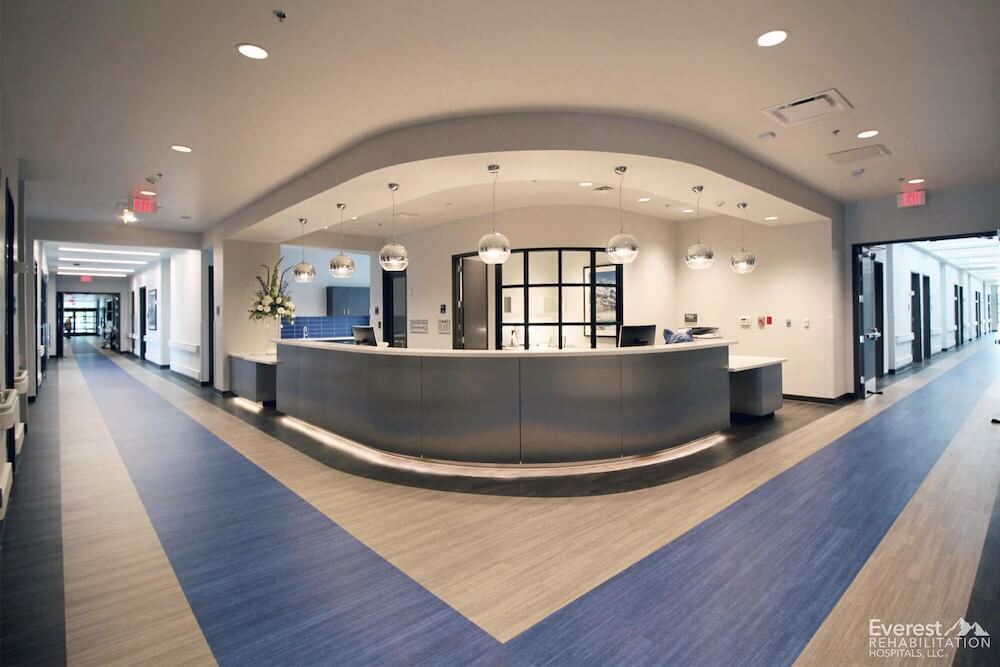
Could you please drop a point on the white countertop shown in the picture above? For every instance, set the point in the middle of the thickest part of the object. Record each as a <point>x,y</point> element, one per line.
<point>257,358</point>
<point>738,362</point>
<point>534,352</point>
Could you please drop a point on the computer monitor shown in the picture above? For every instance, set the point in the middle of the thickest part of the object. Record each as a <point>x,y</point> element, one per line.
<point>364,336</point>
<point>637,336</point>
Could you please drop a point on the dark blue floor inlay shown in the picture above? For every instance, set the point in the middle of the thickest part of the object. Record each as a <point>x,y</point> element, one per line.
<point>271,580</point>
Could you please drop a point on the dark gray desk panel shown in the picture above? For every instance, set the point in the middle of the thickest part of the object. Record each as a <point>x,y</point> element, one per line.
<point>670,399</point>
<point>756,391</point>
<point>252,380</point>
<point>570,408</point>
<point>471,409</point>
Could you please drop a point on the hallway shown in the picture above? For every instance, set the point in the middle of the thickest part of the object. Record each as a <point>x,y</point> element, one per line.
<point>150,523</point>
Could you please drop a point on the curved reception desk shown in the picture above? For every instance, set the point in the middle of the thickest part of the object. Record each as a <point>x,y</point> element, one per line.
<point>508,407</point>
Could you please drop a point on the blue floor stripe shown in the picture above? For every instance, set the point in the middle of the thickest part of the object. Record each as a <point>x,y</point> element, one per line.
<point>271,580</point>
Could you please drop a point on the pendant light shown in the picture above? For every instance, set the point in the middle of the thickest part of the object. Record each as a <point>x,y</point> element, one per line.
<point>743,261</point>
<point>342,266</point>
<point>393,256</point>
<point>303,272</point>
<point>622,248</point>
<point>699,256</point>
<point>494,248</point>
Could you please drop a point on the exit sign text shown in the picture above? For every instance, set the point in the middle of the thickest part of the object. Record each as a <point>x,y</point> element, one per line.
<point>143,205</point>
<point>908,199</point>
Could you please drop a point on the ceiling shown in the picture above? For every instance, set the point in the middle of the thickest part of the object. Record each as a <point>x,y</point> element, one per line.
<point>99,90</point>
<point>979,256</point>
<point>442,190</point>
<point>100,260</point>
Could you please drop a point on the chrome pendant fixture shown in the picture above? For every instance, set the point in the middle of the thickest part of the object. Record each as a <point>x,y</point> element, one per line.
<point>699,256</point>
<point>393,256</point>
<point>494,248</point>
<point>303,272</point>
<point>743,261</point>
<point>622,248</point>
<point>342,266</point>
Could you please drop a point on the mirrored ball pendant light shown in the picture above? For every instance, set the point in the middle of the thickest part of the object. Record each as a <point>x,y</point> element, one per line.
<point>622,248</point>
<point>303,272</point>
<point>342,266</point>
<point>494,248</point>
<point>393,255</point>
<point>699,256</point>
<point>743,261</point>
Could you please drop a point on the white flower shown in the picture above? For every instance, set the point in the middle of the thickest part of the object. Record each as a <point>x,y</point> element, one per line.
<point>281,311</point>
<point>278,300</point>
<point>260,307</point>
<point>289,305</point>
<point>267,300</point>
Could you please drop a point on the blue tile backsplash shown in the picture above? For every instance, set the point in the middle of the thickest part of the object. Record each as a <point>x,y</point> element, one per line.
<point>323,327</point>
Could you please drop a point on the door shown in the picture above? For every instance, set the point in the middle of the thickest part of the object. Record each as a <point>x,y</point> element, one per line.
<point>979,314</point>
<point>394,302</point>
<point>471,305</point>
<point>865,327</point>
<point>879,318</point>
<point>926,294</point>
<point>142,322</point>
<point>210,300</point>
<point>916,320</point>
<point>961,315</point>
<point>8,255</point>
<point>958,316</point>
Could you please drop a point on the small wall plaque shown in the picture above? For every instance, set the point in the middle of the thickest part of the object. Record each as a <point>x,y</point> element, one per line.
<point>418,326</point>
<point>444,326</point>
<point>690,318</point>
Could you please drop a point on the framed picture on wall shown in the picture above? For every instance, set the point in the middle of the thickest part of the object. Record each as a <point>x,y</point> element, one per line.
<point>606,297</point>
<point>151,310</point>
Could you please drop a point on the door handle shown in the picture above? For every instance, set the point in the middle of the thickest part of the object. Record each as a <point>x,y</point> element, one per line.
<point>873,334</point>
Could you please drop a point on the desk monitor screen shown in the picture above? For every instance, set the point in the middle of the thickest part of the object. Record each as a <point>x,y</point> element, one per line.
<point>364,336</point>
<point>637,336</point>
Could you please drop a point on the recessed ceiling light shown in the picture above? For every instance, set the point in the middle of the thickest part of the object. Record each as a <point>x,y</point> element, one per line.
<point>354,218</point>
<point>101,261</point>
<point>585,184</point>
<point>772,38</point>
<point>771,218</point>
<point>180,148</point>
<point>687,210</point>
<point>92,274</point>
<point>867,134</point>
<point>111,252</point>
<point>251,51</point>
<point>94,268</point>
<point>915,181</point>
<point>147,193</point>
<point>644,199</point>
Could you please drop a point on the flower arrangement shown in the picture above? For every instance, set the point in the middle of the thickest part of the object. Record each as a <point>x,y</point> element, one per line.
<point>272,300</point>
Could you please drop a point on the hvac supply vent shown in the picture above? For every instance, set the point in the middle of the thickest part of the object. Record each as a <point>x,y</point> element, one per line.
<point>809,108</point>
<point>603,188</point>
<point>859,154</point>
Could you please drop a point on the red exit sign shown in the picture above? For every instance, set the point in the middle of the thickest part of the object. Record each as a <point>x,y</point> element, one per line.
<point>908,199</point>
<point>143,205</point>
<point>86,279</point>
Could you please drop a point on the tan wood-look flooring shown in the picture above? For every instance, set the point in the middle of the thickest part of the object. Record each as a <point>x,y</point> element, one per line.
<point>124,605</point>
<point>508,562</point>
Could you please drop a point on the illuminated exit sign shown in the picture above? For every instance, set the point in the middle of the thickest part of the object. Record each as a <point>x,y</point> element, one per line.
<point>908,199</point>
<point>86,279</point>
<point>143,205</point>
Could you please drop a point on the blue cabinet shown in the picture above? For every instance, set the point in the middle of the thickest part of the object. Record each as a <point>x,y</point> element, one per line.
<point>347,300</point>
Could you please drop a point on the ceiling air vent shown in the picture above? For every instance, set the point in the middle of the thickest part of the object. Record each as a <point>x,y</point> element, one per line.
<point>603,188</point>
<point>859,154</point>
<point>809,108</point>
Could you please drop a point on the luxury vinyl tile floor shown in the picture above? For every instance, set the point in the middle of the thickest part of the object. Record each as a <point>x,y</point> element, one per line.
<point>152,525</point>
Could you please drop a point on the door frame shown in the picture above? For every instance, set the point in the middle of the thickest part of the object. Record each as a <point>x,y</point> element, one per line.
<point>388,307</point>
<point>142,322</point>
<point>916,318</point>
<point>925,300</point>
<point>879,271</point>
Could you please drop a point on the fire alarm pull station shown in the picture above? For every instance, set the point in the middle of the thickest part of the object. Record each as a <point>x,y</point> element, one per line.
<point>770,320</point>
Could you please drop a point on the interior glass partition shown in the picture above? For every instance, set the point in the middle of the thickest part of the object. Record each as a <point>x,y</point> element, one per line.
<point>558,298</point>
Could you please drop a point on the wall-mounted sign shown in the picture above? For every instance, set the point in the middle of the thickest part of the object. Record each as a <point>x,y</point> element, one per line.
<point>86,279</point>
<point>908,199</point>
<point>690,318</point>
<point>143,205</point>
<point>444,326</point>
<point>418,326</point>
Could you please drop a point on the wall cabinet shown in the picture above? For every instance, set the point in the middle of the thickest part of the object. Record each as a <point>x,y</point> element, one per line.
<point>347,300</point>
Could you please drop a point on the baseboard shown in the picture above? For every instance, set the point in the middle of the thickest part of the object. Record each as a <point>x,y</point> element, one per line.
<point>817,399</point>
<point>32,399</point>
<point>187,378</point>
<point>224,393</point>
<point>205,383</point>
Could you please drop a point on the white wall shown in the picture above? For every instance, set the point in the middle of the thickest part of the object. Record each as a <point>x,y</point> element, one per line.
<point>236,333</point>
<point>185,313</point>
<point>794,279</point>
<point>155,276</point>
<point>904,260</point>
<point>310,298</point>
<point>648,289</point>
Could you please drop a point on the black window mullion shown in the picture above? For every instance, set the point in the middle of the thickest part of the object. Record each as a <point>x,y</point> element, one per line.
<point>593,299</point>
<point>559,301</point>
<point>527,316</point>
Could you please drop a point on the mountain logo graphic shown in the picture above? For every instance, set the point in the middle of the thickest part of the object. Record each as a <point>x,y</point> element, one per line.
<point>964,629</point>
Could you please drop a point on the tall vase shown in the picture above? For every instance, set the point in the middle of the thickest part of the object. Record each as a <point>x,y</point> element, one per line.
<point>271,333</point>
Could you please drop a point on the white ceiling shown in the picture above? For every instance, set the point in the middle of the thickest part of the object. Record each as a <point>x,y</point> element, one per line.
<point>95,259</point>
<point>442,190</point>
<point>100,89</point>
<point>979,256</point>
